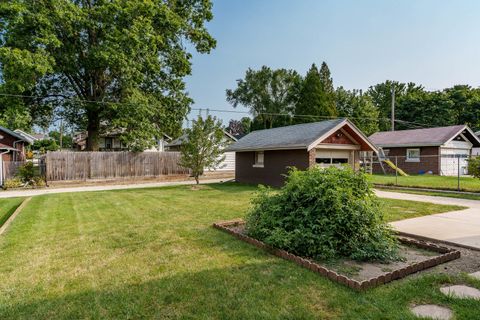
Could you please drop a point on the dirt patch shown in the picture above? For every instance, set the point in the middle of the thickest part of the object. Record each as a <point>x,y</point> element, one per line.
<point>363,271</point>
<point>367,270</point>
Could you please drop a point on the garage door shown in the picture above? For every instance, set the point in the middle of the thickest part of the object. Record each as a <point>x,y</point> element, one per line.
<point>451,159</point>
<point>327,158</point>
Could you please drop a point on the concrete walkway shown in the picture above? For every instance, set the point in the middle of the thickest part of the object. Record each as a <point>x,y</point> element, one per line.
<point>37,192</point>
<point>460,227</point>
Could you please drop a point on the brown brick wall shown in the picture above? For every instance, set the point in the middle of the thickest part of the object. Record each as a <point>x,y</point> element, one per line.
<point>276,164</point>
<point>9,141</point>
<point>429,161</point>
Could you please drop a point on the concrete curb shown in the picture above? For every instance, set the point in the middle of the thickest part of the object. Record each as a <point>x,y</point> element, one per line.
<point>446,191</point>
<point>14,215</point>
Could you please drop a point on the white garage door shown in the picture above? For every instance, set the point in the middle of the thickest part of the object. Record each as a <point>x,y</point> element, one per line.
<point>451,159</point>
<point>327,158</point>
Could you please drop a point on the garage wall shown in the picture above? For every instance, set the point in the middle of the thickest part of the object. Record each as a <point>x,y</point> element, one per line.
<point>429,161</point>
<point>276,163</point>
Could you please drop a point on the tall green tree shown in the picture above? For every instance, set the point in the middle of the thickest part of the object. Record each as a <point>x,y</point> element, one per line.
<point>82,55</point>
<point>381,95</point>
<point>420,108</point>
<point>328,90</point>
<point>359,108</point>
<point>313,102</point>
<point>203,146</point>
<point>269,94</point>
<point>466,104</point>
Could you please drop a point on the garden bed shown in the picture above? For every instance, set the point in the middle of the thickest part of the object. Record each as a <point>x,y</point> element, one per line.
<point>418,256</point>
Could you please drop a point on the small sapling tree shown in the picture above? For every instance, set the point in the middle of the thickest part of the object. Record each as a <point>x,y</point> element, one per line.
<point>203,146</point>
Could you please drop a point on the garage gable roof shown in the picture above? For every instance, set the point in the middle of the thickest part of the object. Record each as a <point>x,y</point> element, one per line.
<point>423,137</point>
<point>299,136</point>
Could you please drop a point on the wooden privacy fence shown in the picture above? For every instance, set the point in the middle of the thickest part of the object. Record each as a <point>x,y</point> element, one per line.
<point>67,165</point>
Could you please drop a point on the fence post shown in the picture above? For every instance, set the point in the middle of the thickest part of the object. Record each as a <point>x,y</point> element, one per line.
<point>458,172</point>
<point>396,170</point>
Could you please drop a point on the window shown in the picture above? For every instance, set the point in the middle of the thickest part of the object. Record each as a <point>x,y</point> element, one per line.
<point>259,159</point>
<point>323,160</point>
<point>413,155</point>
<point>339,160</point>
<point>108,143</point>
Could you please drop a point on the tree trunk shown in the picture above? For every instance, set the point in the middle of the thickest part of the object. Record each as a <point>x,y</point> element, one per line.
<point>197,179</point>
<point>93,129</point>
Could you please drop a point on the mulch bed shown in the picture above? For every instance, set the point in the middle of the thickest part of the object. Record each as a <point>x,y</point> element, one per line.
<point>419,255</point>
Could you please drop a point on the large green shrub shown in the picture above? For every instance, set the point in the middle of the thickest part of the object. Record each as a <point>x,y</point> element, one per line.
<point>323,214</point>
<point>474,166</point>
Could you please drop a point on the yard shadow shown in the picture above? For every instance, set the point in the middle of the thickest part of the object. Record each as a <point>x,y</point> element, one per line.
<point>250,291</point>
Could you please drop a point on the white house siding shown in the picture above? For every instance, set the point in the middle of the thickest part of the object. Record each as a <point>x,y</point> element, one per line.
<point>451,154</point>
<point>228,164</point>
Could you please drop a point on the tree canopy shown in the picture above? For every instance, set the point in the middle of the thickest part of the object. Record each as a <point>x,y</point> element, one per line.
<point>203,146</point>
<point>118,63</point>
<point>269,94</point>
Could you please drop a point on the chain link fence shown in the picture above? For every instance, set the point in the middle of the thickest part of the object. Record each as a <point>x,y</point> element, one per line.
<point>447,171</point>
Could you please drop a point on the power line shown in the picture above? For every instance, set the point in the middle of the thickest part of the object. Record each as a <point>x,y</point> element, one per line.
<point>208,110</point>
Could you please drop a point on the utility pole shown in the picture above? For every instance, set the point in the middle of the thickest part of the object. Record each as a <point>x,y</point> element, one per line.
<point>393,109</point>
<point>61,134</point>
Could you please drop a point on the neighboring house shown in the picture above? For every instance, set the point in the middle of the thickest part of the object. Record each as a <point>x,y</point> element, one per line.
<point>12,145</point>
<point>228,164</point>
<point>33,137</point>
<point>476,151</point>
<point>264,156</point>
<point>441,150</point>
<point>110,141</point>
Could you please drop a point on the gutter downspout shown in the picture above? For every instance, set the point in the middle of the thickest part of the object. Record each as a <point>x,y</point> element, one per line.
<point>14,143</point>
<point>2,167</point>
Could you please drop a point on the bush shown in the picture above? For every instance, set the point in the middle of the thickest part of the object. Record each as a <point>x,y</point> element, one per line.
<point>474,167</point>
<point>12,183</point>
<point>28,176</point>
<point>323,214</point>
<point>26,172</point>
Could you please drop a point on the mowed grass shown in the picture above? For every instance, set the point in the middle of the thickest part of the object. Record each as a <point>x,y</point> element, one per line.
<point>394,210</point>
<point>429,181</point>
<point>152,253</point>
<point>7,207</point>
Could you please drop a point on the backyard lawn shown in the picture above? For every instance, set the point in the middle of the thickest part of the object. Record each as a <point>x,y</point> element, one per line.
<point>428,181</point>
<point>7,207</point>
<point>152,253</point>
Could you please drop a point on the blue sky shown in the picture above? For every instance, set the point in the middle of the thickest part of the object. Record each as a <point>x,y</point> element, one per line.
<point>431,42</point>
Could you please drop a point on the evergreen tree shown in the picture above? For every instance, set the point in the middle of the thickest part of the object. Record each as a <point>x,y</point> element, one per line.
<point>310,97</point>
<point>314,104</point>
<point>328,90</point>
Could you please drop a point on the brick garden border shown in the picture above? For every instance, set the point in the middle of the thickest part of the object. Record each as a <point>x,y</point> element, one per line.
<point>447,254</point>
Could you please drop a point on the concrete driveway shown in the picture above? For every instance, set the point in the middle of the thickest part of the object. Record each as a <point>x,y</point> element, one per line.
<point>459,227</point>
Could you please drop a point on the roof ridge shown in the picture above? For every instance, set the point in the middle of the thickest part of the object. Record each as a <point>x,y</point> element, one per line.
<point>298,124</point>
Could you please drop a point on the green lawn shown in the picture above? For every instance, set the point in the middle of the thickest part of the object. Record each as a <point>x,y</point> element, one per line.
<point>152,253</point>
<point>403,209</point>
<point>7,207</point>
<point>429,181</point>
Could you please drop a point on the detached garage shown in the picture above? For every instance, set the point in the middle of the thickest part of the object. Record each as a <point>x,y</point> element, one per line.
<point>264,156</point>
<point>441,150</point>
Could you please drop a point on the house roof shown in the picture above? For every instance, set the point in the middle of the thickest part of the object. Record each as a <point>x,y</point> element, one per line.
<point>14,134</point>
<point>300,136</point>
<point>183,138</point>
<point>423,137</point>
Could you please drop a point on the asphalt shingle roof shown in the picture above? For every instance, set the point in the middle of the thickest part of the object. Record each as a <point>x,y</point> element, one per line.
<point>291,137</point>
<point>416,137</point>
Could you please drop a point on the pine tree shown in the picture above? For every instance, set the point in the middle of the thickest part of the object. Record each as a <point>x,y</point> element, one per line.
<point>328,90</point>
<point>313,100</point>
<point>310,97</point>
